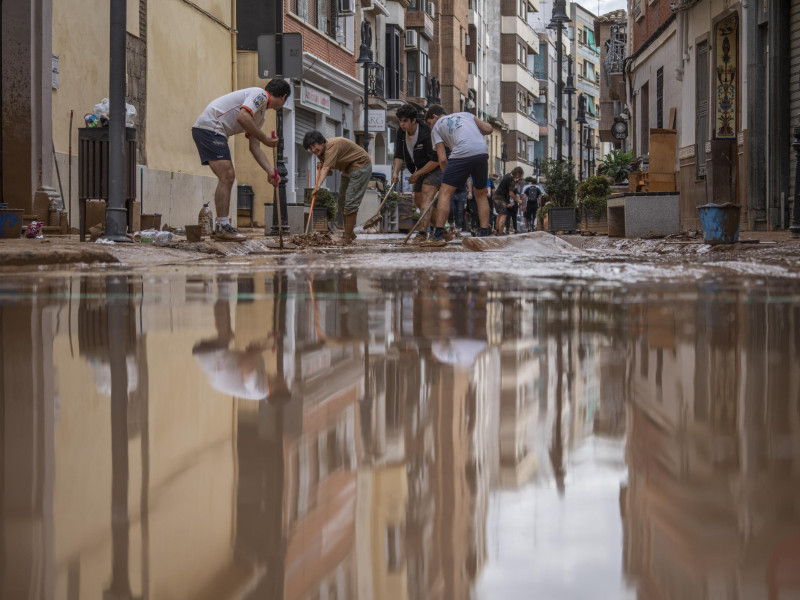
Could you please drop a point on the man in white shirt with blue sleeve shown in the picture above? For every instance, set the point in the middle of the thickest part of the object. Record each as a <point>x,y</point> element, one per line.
<point>242,111</point>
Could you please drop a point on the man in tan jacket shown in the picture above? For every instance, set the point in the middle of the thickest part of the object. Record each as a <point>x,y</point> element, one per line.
<point>356,167</point>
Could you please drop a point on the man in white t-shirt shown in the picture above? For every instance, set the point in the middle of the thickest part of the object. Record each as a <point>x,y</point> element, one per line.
<point>242,111</point>
<point>464,134</point>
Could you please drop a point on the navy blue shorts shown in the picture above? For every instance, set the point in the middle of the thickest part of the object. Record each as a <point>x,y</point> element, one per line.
<point>458,170</point>
<point>210,145</point>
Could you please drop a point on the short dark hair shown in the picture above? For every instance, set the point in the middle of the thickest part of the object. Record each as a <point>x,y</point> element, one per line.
<point>517,171</point>
<point>313,137</point>
<point>435,110</point>
<point>279,88</point>
<point>407,112</point>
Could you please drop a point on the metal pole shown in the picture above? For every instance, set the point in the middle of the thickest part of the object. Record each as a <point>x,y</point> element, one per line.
<point>795,227</point>
<point>283,172</point>
<point>559,92</point>
<point>116,215</point>
<point>366,106</point>
<point>580,153</point>
<point>569,129</point>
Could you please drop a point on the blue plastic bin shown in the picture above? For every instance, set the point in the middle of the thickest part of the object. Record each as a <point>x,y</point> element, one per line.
<point>720,222</point>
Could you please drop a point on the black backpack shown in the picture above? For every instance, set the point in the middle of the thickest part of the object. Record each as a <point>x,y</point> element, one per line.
<point>533,193</point>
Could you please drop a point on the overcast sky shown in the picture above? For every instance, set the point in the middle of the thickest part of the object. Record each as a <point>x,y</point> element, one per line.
<point>605,5</point>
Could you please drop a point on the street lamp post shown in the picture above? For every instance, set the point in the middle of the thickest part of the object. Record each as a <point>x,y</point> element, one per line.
<point>504,156</point>
<point>557,22</point>
<point>795,227</point>
<point>280,159</point>
<point>588,151</point>
<point>569,90</point>
<point>365,60</point>
<point>581,120</point>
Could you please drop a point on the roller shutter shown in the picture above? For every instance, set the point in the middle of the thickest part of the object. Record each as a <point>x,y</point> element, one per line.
<point>304,121</point>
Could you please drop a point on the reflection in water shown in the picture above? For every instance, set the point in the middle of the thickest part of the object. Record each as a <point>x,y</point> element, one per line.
<point>280,436</point>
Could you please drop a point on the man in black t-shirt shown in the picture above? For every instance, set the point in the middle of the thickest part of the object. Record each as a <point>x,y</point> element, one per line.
<point>506,196</point>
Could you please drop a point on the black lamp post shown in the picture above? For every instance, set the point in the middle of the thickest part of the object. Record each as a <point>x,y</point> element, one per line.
<point>588,151</point>
<point>569,90</point>
<point>559,19</point>
<point>432,91</point>
<point>795,226</point>
<point>504,156</point>
<point>280,159</point>
<point>581,120</point>
<point>365,60</point>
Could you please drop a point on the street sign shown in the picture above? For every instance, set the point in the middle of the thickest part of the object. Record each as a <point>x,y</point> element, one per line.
<point>292,55</point>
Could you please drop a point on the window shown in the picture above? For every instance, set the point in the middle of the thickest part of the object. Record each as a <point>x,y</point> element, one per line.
<point>417,65</point>
<point>701,107</point>
<point>660,98</point>
<point>393,64</point>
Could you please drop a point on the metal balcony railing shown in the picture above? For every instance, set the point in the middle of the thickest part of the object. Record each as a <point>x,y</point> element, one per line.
<point>377,85</point>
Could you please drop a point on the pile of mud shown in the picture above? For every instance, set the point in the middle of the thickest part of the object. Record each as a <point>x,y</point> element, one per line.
<point>316,239</point>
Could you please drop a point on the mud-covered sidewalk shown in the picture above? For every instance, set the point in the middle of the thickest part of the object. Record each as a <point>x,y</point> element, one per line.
<point>23,254</point>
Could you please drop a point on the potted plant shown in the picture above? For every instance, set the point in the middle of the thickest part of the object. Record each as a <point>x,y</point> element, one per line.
<point>593,201</point>
<point>616,165</point>
<point>561,186</point>
<point>325,208</point>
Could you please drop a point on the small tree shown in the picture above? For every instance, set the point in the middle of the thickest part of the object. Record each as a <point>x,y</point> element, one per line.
<point>560,181</point>
<point>593,195</point>
<point>616,165</point>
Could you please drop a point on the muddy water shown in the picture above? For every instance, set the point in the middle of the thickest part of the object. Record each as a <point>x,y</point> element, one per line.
<point>367,435</point>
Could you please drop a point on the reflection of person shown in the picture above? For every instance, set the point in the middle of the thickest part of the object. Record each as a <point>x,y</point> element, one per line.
<point>356,167</point>
<point>238,373</point>
<point>242,111</point>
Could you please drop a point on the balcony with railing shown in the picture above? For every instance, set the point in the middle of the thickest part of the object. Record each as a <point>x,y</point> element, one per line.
<point>377,82</point>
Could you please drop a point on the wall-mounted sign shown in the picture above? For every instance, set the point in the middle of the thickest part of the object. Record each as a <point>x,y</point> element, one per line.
<point>315,99</point>
<point>619,130</point>
<point>376,120</point>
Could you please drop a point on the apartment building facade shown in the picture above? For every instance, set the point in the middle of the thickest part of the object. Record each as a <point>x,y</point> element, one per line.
<point>519,88</point>
<point>585,54</point>
<point>611,33</point>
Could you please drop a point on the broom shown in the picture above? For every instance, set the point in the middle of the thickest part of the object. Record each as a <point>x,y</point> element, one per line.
<point>311,210</point>
<point>374,220</point>
<point>421,218</point>
<point>275,202</point>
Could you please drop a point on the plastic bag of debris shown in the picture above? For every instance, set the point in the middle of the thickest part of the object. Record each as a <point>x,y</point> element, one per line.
<point>102,108</point>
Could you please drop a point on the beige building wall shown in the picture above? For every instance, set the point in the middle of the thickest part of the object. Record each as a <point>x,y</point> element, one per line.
<point>190,61</point>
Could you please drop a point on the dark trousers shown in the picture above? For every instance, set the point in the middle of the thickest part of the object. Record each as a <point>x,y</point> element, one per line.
<point>457,204</point>
<point>511,221</point>
<point>472,209</point>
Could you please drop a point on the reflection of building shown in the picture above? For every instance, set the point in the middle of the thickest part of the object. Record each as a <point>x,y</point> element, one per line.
<point>712,506</point>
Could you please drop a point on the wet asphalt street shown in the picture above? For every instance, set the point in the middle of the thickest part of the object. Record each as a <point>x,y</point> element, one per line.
<point>541,423</point>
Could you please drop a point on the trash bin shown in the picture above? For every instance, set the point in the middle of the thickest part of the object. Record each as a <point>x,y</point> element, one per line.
<point>720,222</point>
<point>244,202</point>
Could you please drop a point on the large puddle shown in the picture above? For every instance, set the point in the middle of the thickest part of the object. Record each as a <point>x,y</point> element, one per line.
<point>395,435</point>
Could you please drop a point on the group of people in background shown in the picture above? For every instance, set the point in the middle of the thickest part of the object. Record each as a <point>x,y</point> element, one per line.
<point>445,153</point>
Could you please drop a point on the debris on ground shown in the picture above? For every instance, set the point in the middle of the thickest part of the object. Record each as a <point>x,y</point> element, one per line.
<point>538,242</point>
<point>315,239</point>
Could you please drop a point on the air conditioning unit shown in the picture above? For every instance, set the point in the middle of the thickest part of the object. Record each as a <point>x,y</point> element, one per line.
<point>431,8</point>
<point>345,8</point>
<point>412,38</point>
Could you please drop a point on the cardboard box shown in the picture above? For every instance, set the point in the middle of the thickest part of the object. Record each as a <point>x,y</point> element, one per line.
<point>95,213</point>
<point>663,150</point>
<point>661,182</point>
<point>136,207</point>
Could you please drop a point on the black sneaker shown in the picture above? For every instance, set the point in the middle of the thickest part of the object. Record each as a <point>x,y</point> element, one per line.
<point>434,242</point>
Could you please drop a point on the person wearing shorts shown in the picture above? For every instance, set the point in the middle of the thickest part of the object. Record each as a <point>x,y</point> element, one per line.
<point>464,134</point>
<point>243,111</point>
<point>414,149</point>
<point>356,167</point>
